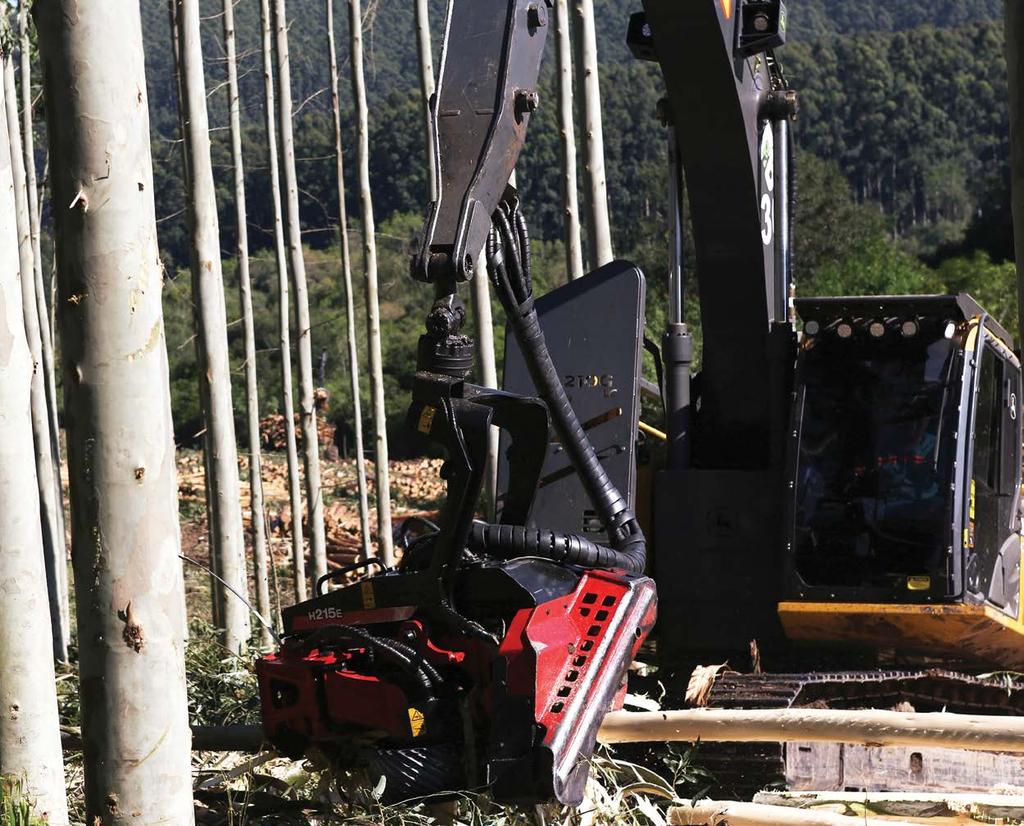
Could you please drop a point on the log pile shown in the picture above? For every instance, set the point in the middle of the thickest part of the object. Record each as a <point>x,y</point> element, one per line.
<point>272,432</point>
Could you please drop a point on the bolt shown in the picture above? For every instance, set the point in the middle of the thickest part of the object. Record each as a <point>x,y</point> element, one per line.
<point>537,16</point>
<point>527,100</point>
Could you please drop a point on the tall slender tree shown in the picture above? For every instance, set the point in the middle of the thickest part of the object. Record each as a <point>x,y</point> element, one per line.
<point>225,518</point>
<point>427,85</point>
<point>258,530</point>
<point>47,473</point>
<point>293,224</point>
<point>46,337</point>
<point>30,727</point>
<point>385,544</point>
<point>595,192</point>
<point>567,127</point>
<point>350,312</point>
<point>1014,24</point>
<point>125,537</point>
<point>284,314</point>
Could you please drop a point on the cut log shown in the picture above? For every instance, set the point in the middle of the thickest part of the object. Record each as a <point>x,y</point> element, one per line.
<point>873,728</point>
<point>722,813</point>
<point>984,808</point>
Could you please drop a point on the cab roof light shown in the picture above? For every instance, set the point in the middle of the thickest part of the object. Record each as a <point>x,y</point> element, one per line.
<point>876,328</point>
<point>812,327</point>
<point>910,328</point>
<point>844,329</point>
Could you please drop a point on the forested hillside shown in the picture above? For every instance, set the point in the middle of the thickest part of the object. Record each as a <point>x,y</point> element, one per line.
<point>902,160</point>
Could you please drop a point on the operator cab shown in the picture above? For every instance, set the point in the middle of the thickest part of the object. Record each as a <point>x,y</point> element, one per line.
<point>905,459</point>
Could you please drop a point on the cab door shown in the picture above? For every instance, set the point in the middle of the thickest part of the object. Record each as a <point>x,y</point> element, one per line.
<point>993,553</point>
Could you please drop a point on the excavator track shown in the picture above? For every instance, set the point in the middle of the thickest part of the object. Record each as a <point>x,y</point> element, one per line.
<point>740,770</point>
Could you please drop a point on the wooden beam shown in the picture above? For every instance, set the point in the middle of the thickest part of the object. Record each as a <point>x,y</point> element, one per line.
<point>812,725</point>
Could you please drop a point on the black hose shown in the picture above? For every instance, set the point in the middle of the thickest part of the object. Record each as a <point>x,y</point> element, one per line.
<point>628,546</point>
<point>512,541</point>
<point>426,680</point>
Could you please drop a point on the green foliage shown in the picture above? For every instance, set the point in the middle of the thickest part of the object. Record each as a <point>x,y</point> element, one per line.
<point>876,268</point>
<point>15,806</point>
<point>994,285</point>
<point>222,687</point>
<point>916,120</point>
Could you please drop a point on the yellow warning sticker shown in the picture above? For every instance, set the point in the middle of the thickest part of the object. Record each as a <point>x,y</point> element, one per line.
<point>369,598</point>
<point>426,419</point>
<point>416,720</point>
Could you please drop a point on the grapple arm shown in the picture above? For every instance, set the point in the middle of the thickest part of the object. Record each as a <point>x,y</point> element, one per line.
<point>486,91</point>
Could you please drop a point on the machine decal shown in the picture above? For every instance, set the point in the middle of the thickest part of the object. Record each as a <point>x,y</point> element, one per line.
<point>416,721</point>
<point>426,419</point>
<point>369,598</point>
<point>768,176</point>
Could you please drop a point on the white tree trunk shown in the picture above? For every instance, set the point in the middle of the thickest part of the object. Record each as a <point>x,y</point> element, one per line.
<point>125,539</point>
<point>385,544</point>
<point>284,314</point>
<point>350,312</point>
<point>258,532</point>
<point>570,187</point>
<point>211,338</point>
<point>427,85</point>
<point>307,410</point>
<point>47,474</point>
<point>46,332</point>
<point>595,192</point>
<point>29,727</point>
<point>1014,25</point>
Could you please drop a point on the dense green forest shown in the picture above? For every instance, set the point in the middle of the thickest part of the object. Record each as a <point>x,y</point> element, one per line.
<point>902,166</point>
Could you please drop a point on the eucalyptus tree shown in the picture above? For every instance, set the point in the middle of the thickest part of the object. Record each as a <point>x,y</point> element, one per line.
<point>258,531</point>
<point>284,315</point>
<point>567,130</point>
<point>223,487</point>
<point>47,473</point>
<point>30,726</point>
<point>427,84</point>
<point>124,528</point>
<point>293,225</point>
<point>1014,22</point>
<point>44,311</point>
<point>595,190</point>
<point>350,313</point>
<point>385,543</point>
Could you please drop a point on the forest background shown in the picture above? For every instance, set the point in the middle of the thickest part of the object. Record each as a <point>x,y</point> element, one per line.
<point>902,173</point>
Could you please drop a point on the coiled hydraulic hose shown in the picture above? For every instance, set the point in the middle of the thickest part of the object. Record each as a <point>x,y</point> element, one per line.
<point>509,263</point>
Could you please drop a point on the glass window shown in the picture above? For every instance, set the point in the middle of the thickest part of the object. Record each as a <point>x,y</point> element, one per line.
<point>987,424</point>
<point>873,493</point>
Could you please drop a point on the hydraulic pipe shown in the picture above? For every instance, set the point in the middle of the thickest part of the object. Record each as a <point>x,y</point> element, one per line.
<point>677,343</point>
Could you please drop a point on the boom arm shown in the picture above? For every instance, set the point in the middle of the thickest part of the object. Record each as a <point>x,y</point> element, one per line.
<point>487,90</point>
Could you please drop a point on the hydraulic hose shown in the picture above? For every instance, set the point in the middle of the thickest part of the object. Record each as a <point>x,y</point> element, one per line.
<point>628,549</point>
<point>512,541</point>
